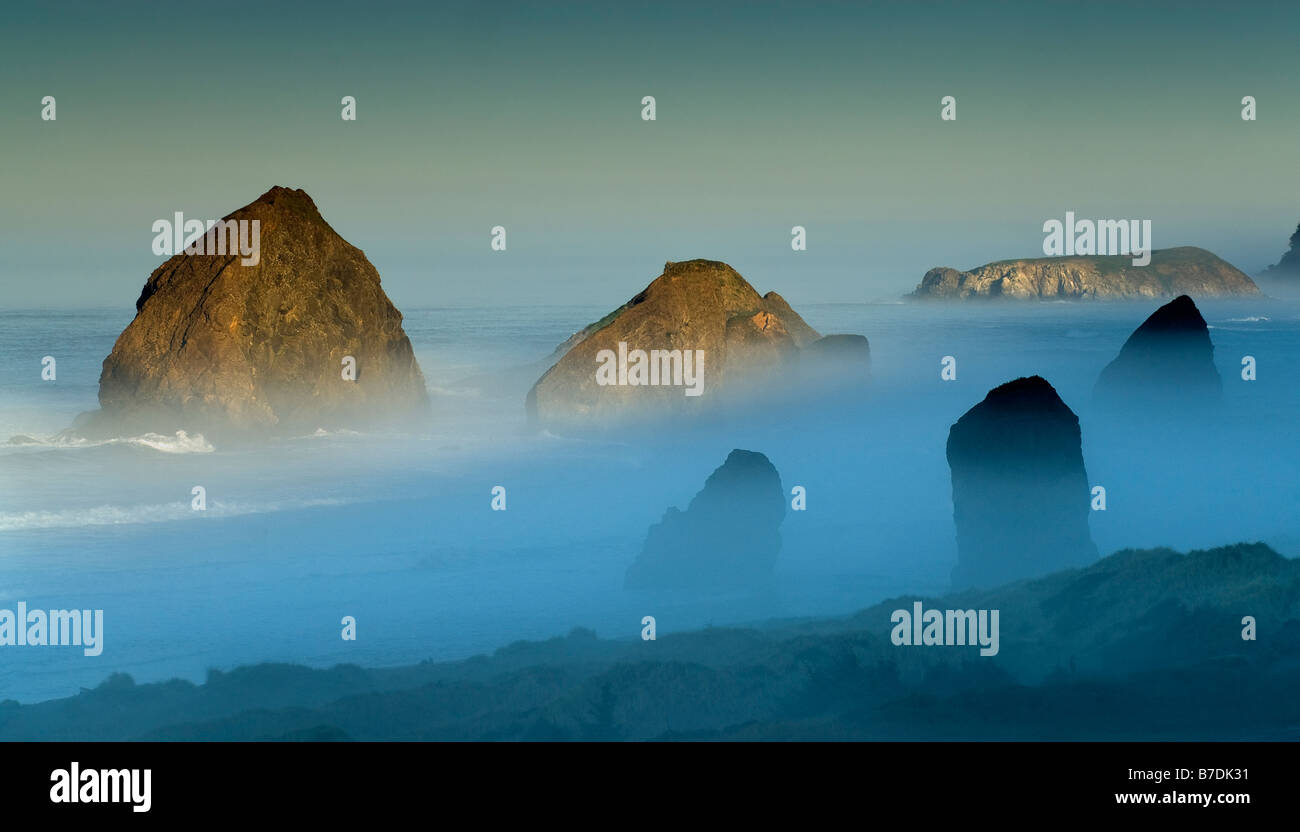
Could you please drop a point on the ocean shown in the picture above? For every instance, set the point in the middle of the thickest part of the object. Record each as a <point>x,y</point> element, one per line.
<point>397,530</point>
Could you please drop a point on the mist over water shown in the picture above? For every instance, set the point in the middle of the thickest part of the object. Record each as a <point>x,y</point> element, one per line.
<point>397,530</point>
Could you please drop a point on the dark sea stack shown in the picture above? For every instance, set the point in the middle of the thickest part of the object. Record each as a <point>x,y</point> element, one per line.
<point>1020,492</point>
<point>259,349</point>
<point>845,350</point>
<point>1169,358</point>
<point>728,537</point>
<point>1171,272</point>
<point>832,365</point>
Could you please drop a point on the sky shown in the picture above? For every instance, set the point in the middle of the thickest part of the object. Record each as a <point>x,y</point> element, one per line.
<point>528,116</point>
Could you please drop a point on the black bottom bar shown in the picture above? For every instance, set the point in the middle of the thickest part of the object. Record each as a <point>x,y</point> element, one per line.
<point>343,781</point>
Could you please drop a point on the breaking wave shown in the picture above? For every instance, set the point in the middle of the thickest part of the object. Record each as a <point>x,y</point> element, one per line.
<point>178,443</point>
<point>109,515</point>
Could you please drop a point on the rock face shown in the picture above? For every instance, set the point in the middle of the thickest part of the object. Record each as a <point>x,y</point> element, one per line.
<point>728,537</point>
<point>1020,492</point>
<point>836,351</point>
<point>224,347</point>
<point>1289,265</point>
<point>835,363</point>
<point>1169,358</point>
<point>750,343</point>
<point>1171,272</point>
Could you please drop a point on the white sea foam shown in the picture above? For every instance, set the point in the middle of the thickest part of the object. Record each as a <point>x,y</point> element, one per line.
<point>110,515</point>
<point>322,433</point>
<point>457,392</point>
<point>178,443</point>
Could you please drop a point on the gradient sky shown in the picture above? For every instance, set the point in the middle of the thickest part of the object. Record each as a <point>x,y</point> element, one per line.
<point>528,115</point>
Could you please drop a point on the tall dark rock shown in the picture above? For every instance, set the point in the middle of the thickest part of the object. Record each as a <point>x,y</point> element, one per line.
<point>1020,491</point>
<point>1169,359</point>
<point>728,537</point>
<point>223,347</point>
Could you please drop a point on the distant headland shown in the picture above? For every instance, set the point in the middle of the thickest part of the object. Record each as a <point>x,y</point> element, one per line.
<point>1185,270</point>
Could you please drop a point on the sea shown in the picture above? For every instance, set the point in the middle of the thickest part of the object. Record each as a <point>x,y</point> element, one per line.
<point>397,531</point>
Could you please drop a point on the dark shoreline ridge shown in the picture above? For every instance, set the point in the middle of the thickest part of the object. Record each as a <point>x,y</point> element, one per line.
<point>1186,270</point>
<point>1109,651</point>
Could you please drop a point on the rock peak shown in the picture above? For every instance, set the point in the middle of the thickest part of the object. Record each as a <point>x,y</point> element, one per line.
<point>281,194</point>
<point>1024,384</point>
<point>281,201</point>
<point>698,264</point>
<point>1178,314</point>
<point>1028,393</point>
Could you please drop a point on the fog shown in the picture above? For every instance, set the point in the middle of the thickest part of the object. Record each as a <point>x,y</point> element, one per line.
<point>398,530</point>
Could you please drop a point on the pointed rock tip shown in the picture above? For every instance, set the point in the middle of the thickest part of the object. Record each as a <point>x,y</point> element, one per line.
<point>1027,391</point>
<point>279,194</point>
<point>1179,312</point>
<point>741,455</point>
<point>1024,384</point>
<point>698,263</point>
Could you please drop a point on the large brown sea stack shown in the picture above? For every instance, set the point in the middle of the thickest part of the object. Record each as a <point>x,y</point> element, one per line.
<point>752,345</point>
<point>260,349</point>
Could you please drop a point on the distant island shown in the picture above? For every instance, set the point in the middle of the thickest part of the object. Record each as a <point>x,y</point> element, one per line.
<point>1185,270</point>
